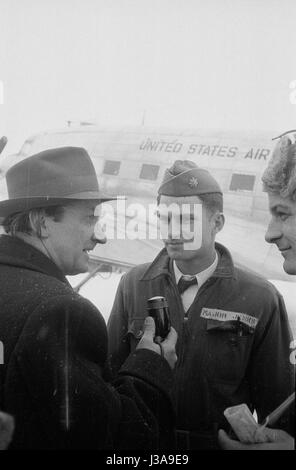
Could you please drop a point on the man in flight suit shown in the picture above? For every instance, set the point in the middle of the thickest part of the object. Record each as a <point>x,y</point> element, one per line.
<point>234,335</point>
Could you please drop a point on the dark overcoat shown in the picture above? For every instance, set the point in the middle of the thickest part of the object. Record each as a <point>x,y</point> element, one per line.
<point>54,379</point>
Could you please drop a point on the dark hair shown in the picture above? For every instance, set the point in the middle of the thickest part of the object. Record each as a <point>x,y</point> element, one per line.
<point>212,201</point>
<point>22,221</point>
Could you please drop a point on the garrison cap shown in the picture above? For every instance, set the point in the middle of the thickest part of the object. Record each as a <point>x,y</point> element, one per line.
<point>185,178</point>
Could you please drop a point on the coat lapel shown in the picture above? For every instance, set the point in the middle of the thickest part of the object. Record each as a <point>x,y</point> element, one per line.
<point>15,252</point>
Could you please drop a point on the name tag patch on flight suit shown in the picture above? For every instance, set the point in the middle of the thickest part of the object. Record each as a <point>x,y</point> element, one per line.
<point>224,315</point>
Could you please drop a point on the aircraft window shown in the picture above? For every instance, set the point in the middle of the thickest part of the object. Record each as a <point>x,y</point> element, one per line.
<point>241,182</point>
<point>111,167</point>
<point>149,172</point>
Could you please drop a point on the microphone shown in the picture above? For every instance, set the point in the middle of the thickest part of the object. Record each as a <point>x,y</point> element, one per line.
<point>158,309</point>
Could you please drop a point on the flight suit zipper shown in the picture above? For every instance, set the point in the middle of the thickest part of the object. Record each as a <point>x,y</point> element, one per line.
<point>181,315</point>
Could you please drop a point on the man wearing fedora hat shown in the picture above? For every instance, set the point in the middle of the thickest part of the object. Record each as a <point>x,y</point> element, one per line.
<point>234,336</point>
<point>54,380</point>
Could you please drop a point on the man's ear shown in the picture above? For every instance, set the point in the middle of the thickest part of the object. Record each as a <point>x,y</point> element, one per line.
<point>219,221</point>
<point>40,225</point>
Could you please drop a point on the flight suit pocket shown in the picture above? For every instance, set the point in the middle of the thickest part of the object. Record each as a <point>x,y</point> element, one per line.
<point>228,346</point>
<point>234,329</point>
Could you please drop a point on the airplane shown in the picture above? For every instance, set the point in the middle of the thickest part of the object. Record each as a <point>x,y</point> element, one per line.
<point>131,162</point>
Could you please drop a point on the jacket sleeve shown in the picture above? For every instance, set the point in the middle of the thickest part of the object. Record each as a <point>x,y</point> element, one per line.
<point>271,372</point>
<point>118,341</point>
<point>62,359</point>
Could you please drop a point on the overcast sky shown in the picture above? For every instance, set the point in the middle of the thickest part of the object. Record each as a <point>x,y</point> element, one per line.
<point>175,63</point>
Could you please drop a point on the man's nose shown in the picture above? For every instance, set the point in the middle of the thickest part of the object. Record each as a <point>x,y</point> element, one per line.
<point>273,232</point>
<point>99,235</point>
<point>174,230</point>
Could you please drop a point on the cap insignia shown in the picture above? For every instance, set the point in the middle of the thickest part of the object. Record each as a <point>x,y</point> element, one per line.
<point>193,182</point>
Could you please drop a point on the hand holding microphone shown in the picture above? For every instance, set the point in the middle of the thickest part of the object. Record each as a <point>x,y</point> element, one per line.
<point>159,336</point>
<point>6,430</point>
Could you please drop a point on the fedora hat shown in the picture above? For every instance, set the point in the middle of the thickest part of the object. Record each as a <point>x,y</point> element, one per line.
<point>51,178</point>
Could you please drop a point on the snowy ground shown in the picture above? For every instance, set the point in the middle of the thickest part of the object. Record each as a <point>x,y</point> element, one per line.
<point>101,291</point>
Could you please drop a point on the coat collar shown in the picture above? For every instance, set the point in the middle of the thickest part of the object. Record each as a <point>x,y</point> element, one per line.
<point>15,252</point>
<point>162,265</point>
